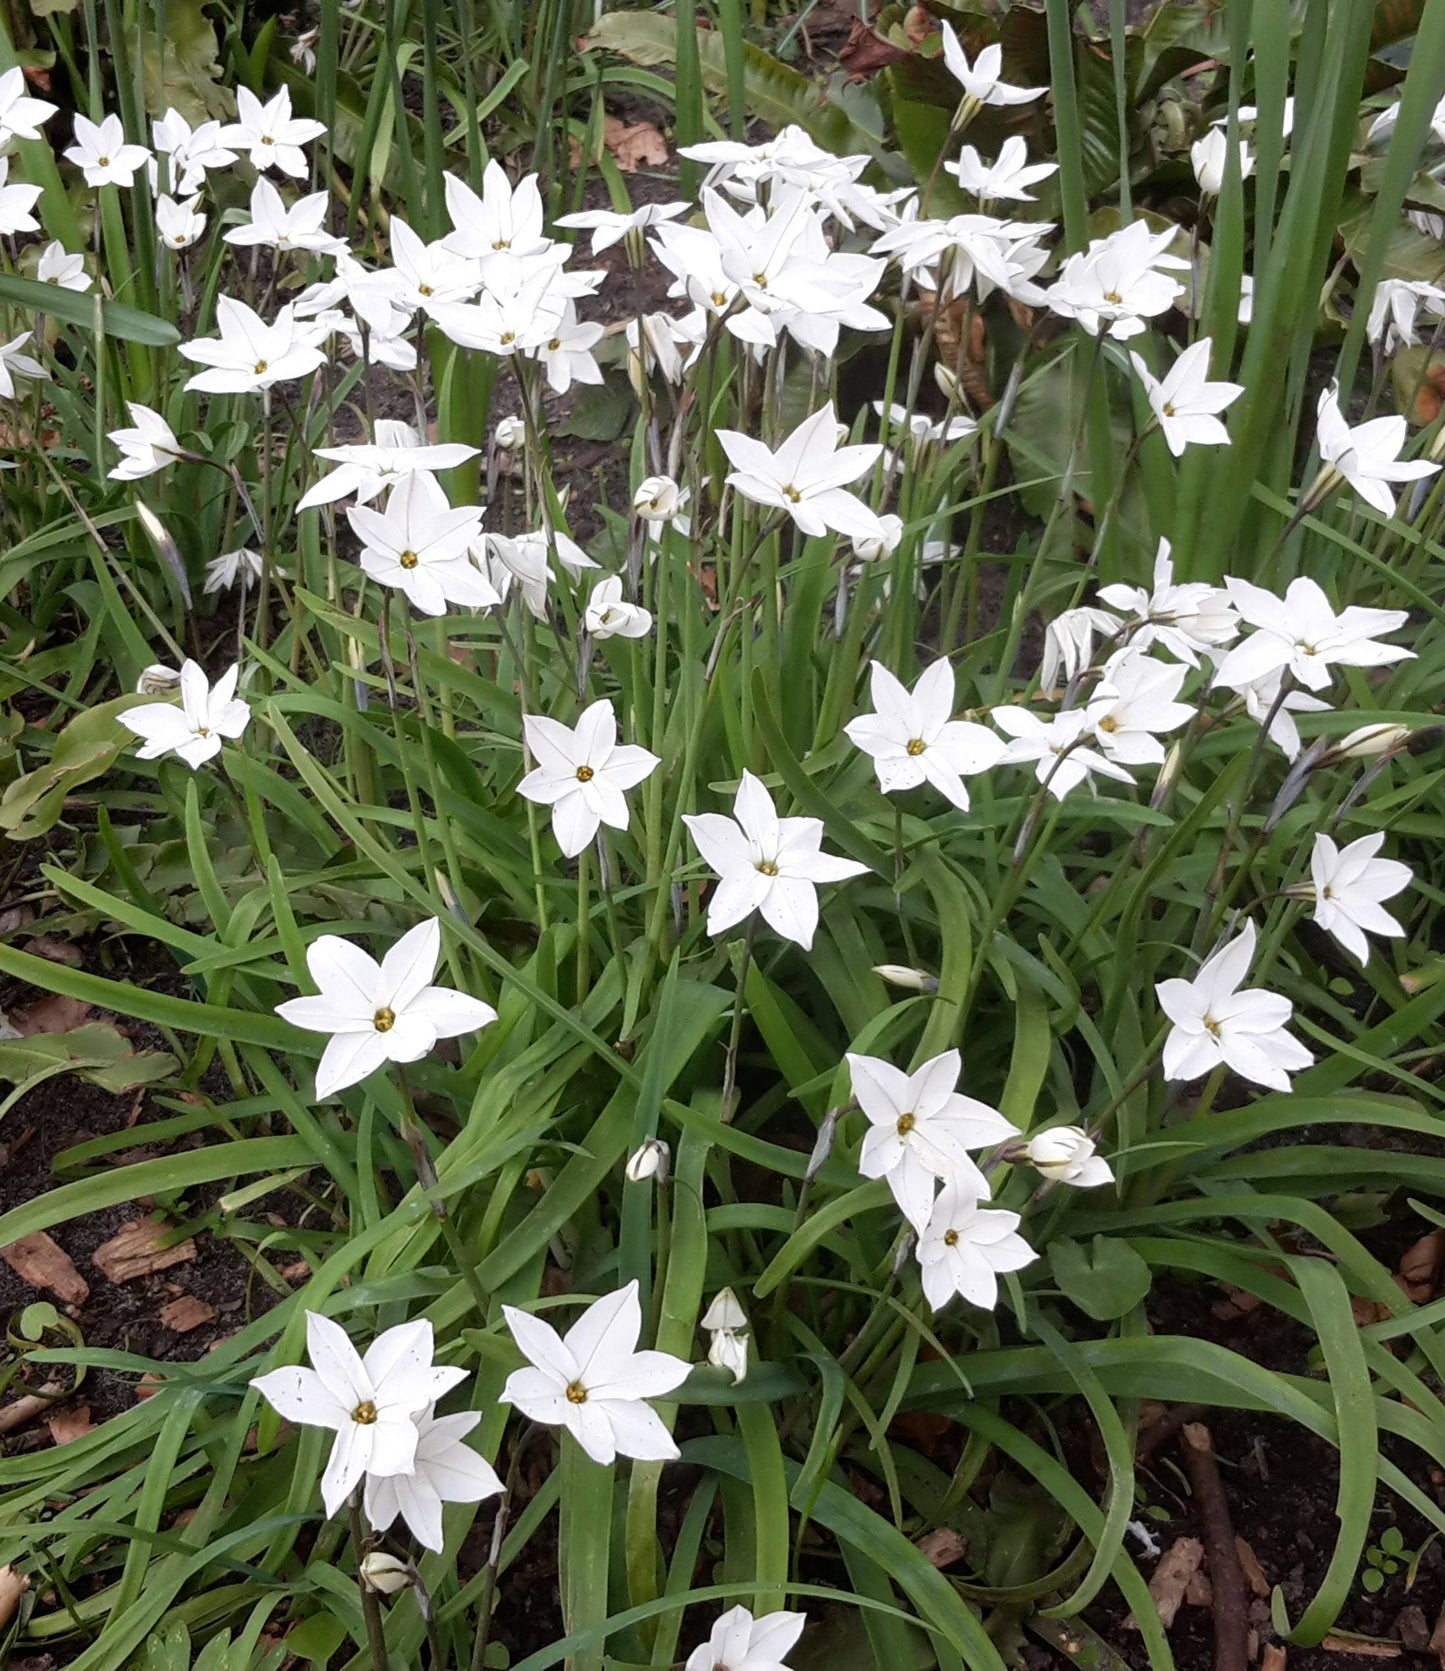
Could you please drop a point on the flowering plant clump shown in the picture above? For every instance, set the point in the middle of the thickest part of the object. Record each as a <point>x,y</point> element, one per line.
<point>711,983</point>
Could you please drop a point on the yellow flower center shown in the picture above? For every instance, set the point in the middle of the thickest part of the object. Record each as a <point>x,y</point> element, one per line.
<point>105,162</point>
<point>509,336</point>
<point>1211,1026</point>
<point>1168,408</point>
<point>1108,723</point>
<point>950,1238</point>
<point>792,495</point>
<point>202,731</point>
<point>576,1393</point>
<point>906,1123</point>
<point>261,366</point>
<point>719,298</point>
<point>384,1020</point>
<point>423,290</point>
<point>364,1413</point>
<point>408,559</point>
<point>1113,296</point>
<point>585,774</point>
<point>916,746</point>
<point>502,243</point>
<point>266,139</point>
<point>766,867</point>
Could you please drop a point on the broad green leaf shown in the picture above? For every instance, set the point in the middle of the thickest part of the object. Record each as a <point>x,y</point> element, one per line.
<point>1105,1279</point>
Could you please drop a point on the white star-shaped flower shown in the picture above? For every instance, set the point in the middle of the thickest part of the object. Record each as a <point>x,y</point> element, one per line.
<point>421,545</point>
<point>581,773</point>
<point>269,134</point>
<point>593,1381</point>
<point>101,153</point>
<point>1185,618</point>
<point>369,1402</point>
<point>964,1248</point>
<point>1367,456</point>
<point>195,730</point>
<point>369,468</point>
<point>444,1470</point>
<point>1185,403</point>
<point>249,355</point>
<point>1302,633</point>
<point>739,1642</point>
<point>1063,759</point>
<point>1349,883</point>
<point>765,863</point>
<point>913,738</point>
<point>379,1012</point>
<point>806,477</point>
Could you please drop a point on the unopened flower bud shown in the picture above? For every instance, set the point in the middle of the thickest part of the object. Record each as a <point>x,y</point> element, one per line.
<point>823,1145</point>
<point>1368,742</point>
<point>157,679</point>
<point>842,433</point>
<point>384,1573</point>
<point>911,980</point>
<point>946,379</point>
<point>872,548</point>
<point>1066,1155</point>
<point>652,1160</point>
<point>511,433</point>
<point>725,1312</point>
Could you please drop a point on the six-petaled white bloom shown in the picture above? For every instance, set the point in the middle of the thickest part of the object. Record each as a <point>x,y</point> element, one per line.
<point>1185,403</point>
<point>593,1381</point>
<point>1066,1155</point>
<point>581,773</point>
<point>1134,704</point>
<point>765,863</point>
<point>1349,883</point>
<point>16,202</point>
<point>1008,177</point>
<point>608,227</point>
<point>150,445</point>
<point>269,134</point>
<point>21,117</point>
<point>1302,634</point>
<point>1218,1025</point>
<point>251,355</point>
<point>980,80</point>
<point>1186,618</point>
<point>379,1012</point>
<point>807,476</point>
<point>1366,456</point>
<point>739,1642</point>
<point>913,738</point>
<point>1209,157</point>
<point>194,731</point>
<point>964,1247</point>
<point>443,1470</point>
<point>101,153</point>
<point>921,1130</point>
<point>371,1403</point>
<point>368,468</point>
<point>179,224</point>
<point>1059,748</point>
<point>420,545</point>
<point>57,266</point>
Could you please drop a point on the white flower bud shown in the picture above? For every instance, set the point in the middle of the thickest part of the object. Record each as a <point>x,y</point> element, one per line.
<point>1368,742</point>
<point>725,1312</point>
<point>511,433</point>
<point>156,679</point>
<point>946,379</point>
<point>875,547</point>
<point>730,1351</point>
<point>657,499</point>
<point>384,1573</point>
<point>652,1160</point>
<point>1066,1155</point>
<point>911,980</point>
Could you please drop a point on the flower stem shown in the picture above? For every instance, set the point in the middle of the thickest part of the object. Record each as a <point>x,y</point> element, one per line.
<point>370,1606</point>
<point>426,1178</point>
<point>730,1069</point>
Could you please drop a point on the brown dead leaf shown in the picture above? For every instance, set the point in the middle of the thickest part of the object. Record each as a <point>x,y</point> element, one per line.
<point>1429,396</point>
<point>1436,1643</point>
<point>1199,1591</point>
<point>918,24</point>
<point>182,1315</point>
<point>942,1547</point>
<point>52,1014</point>
<point>14,917</point>
<point>1412,1629</point>
<point>1274,1658</point>
<point>66,1425</point>
<point>1253,1571</point>
<point>58,951</point>
<point>1366,1311</point>
<point>1418,1272</point>
<point>1177,1565</point>
<point>634,145</point>
<point>148,1386</point>
<point>925,1430</point>
<point>297,1271</point>
<point>44,1264</point>
<point>137,1249</point>
<point>13,1585</point>
<point>864,53</point>
<point>1367,1647</point>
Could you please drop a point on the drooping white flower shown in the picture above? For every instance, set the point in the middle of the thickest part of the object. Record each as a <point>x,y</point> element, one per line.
<point>191,153</point>
<point>1057,746</point>
<point>806,477</point>
<point>1263,702</point>
<point>765,863</point>
<point>224,571</point>
<point>1066,1155</point>
<point>1349,883</point>
<point>420,545</point>
<point>1069,641</point>
<point>1185,403</point>
<point>739,1642</point>
<point>101,153</point>
<point>1395,307</point>
<point>249,355</point>
<point>21,117</point>
<point>964,1247</point>
<point>443,1470</point>
<point>609,615</point>
<point>366,469</point>
<point>14,363</point>
<point>971,253</point>
<point>278,225</point>
<point>517,562</point>
<point>608,227</point>
<point>1366,456</point>
<point>16,203</point>
<point>873,548</point>
<point>593,1381</point>
<point>1302,633</point>
<point>269,134</point>
<point>1216,1024</point>
<point>194,731</point>
<point>379,1012</point>
<point>384,1574</point>
<point>652,1160</point>
<point>179,224</point>
<point>1120,281</point>
<point>1209,157</point>
<point>727,1324</point>
<point>913,738</point>
<point>147,447</point>
<point>921,1130</point>
<point>1007,178</point>
<point>1186,618</point>
<point>661,503</point>
<point>1134,704</point>
<point>370,1402</point>
<point>582,772</point>
<point>57,266</point>
<point>980,80</point>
